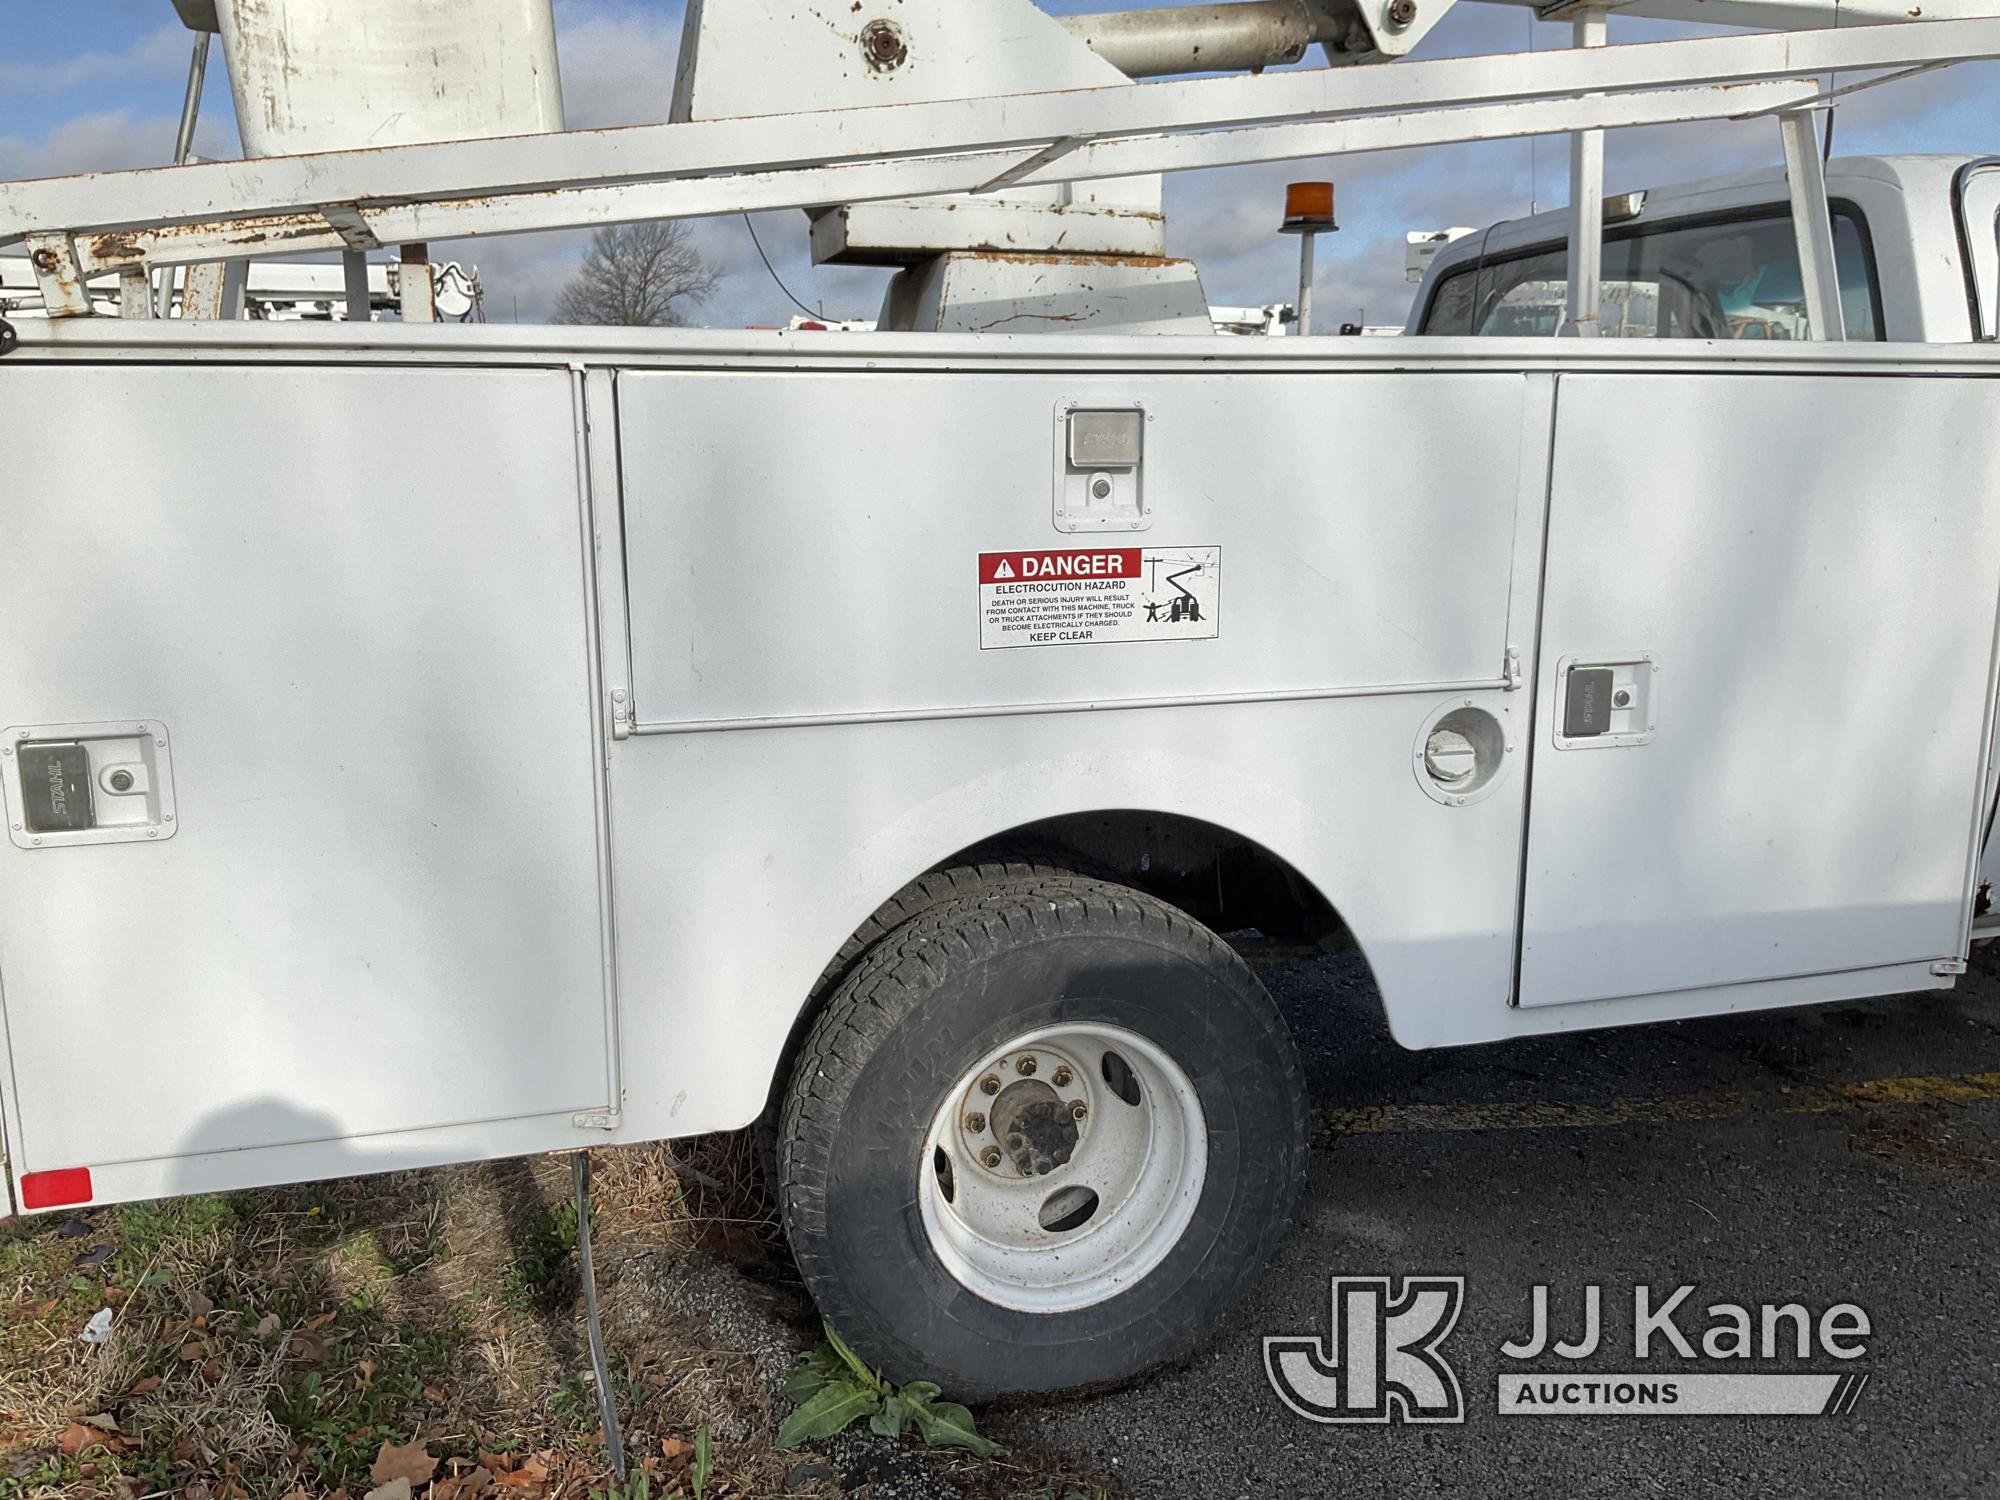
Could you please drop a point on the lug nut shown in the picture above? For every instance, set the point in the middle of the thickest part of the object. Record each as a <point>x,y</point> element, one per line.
<point>989,1085</point>
<point>1061,1077</point>
<point>975,1122</point>
<point>1026,1066</point>
<point>1015,1143</point>
<point>1402,13</point>
<point>1078,1110</point>
<point>990,1156</point>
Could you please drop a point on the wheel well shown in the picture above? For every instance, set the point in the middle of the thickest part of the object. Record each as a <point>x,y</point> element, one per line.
<point>1218,877</point>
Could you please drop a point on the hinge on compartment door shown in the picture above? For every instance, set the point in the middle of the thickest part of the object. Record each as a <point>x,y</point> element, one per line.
<point>1948,966</point>
<point>1512,667</point>
<point>608,1120</point>
<point>624,714</point>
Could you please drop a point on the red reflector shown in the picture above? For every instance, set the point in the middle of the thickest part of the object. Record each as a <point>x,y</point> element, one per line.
<point>54,1189</point>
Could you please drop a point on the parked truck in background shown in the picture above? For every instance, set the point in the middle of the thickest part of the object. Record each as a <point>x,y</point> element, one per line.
<point>1914,236</point>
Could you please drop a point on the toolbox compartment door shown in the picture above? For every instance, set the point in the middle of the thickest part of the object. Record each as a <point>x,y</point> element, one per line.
<point>351,602</point>
<point>1790,581</point>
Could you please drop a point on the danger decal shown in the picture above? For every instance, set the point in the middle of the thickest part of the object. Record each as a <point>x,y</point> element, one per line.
<point>1097,595</point>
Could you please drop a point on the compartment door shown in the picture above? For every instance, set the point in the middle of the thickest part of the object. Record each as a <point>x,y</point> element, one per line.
<point>348,606</point>
<point>1765,679</point>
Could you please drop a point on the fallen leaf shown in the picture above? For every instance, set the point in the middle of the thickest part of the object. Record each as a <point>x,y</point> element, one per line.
<point>194,1349</point>
<point>396,1489</point>
<point>365,1368</point>
<point>199,1306</point>
<point>496,1463</point>
<point>78,1436</point>
<point>434,1395</point>
<point>141,1387</point>
<point>409,1463</point>
<point>184,1450</point>
<point>320,1320</point>
<point>462,1488</point>
<point>530,1472</point>
<point>308,1349</point>
<point>266,1326</point>
<point>676,1450</point>
<point>211,1373</point>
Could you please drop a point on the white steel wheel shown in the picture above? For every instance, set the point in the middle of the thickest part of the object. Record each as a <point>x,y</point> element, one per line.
<point>1063,1168</point>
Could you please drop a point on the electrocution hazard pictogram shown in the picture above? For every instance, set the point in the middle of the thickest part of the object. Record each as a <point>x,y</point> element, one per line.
<point>1096,595</point>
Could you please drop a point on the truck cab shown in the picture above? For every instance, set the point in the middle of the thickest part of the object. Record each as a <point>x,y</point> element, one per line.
<point>1914,237</point>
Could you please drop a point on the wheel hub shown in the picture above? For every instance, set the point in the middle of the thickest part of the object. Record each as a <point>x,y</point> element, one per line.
<point>1064,1167</point>
<point>1025,1116</point>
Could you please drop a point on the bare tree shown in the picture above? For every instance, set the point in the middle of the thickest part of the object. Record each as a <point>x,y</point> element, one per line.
<point>633,274</point>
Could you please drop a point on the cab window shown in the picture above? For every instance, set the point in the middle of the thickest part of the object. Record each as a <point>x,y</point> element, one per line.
<point>1731,279</point>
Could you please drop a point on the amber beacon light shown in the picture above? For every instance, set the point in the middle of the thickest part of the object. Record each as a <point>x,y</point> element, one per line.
<point>1308,214</point>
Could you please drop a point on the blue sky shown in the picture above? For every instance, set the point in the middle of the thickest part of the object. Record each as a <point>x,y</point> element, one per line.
<point>96,84</point>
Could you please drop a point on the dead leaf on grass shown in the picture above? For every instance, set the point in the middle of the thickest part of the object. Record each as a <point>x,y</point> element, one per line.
<point>79,1437</point>
<point>462,1488</point>
<point>676,1450</point>
<point>141,1387</point>
<point>410,1463</point>
<point>266,1326</point>
<point>529,1473</point>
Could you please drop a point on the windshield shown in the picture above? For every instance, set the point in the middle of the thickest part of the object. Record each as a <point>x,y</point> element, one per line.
<point>1729,279</point>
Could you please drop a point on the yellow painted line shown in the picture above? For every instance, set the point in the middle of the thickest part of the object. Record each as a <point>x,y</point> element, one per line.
<point>1804,1099</point>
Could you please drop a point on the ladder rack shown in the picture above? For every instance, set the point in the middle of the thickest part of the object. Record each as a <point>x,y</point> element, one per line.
<point>134,222</point>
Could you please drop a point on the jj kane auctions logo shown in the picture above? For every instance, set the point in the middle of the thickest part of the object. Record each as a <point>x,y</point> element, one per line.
<point>1383,1358</point>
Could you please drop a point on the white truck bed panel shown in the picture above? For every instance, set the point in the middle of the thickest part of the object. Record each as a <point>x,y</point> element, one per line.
<point>1812,566</point>
<point>356,600</point>
<point>805,545</point>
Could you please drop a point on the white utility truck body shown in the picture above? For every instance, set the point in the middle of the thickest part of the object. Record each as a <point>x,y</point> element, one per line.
<point>698,727</point>
<point>423,897</point>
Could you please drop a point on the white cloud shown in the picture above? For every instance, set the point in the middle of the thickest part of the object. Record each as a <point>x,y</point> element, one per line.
<point>108,141</point>
<point>164,51</point>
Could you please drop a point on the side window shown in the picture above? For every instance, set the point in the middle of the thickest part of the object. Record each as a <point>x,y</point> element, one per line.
<point>1737,279</point>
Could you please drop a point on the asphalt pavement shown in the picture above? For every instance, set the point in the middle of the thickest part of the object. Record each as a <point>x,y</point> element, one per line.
<point>1829,1155</point>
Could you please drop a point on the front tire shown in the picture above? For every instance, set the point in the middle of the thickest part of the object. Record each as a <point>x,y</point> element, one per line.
<point>1042,1137</point>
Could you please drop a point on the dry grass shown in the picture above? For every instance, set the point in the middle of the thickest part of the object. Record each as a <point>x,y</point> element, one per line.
<point>271,1343</point>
